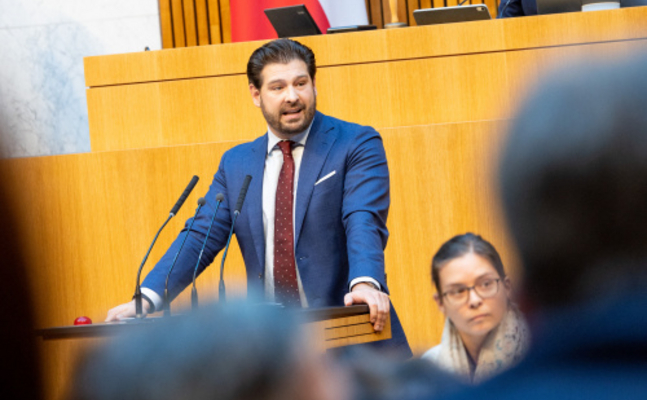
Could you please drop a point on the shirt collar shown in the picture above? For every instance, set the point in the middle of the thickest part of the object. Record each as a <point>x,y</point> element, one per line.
<point>299,139</point>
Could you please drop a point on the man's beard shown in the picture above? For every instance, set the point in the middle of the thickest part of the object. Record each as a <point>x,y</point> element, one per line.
<point>274,121</point>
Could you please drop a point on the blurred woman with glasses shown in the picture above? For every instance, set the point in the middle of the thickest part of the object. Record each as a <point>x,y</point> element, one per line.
<point>484,331</point>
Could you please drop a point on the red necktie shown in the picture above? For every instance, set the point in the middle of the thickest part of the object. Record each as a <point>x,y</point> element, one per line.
<point>286,288</point>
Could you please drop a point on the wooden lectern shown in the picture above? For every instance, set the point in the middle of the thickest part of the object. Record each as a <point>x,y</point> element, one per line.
<point>328,327</point>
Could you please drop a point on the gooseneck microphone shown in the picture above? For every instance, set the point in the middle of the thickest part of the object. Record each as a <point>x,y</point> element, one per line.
<point>138,289</point>
<point>167,302</point>
<point>239,205</point>
<point>194,292</point>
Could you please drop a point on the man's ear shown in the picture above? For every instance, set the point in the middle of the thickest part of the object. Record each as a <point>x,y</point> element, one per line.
<point>256,95</point>
<point>439,303</point>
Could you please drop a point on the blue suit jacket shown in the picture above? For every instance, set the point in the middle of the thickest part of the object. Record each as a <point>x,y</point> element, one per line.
<point>340,224</point>
<point>517,8</point>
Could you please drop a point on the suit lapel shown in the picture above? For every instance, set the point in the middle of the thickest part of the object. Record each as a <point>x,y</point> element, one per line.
<point>256,169</point>
<point>320,140</point>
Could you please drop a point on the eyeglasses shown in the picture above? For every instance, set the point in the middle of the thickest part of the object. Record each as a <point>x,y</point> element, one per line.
<point>485,289</point>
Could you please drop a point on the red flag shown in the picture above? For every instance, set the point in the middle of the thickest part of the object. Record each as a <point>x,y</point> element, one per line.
<point>249,22</point>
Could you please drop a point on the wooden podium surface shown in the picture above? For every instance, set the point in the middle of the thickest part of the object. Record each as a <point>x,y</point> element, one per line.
<point>439,97</point>
<point>328,327</point>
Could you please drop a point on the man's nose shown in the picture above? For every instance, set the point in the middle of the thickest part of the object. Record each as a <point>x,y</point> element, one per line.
<point>291,95</point>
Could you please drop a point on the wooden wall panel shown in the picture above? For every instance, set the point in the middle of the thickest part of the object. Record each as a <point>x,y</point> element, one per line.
<point>466,87</point>
<point>166,24</point>
<point>202,22</point>
<point>375,15</point>
<point>177,10</point>
<point>225,15</point>
<point>190,23</point>
<point>215,28</point>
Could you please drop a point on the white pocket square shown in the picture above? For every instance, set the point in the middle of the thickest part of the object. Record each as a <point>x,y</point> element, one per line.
<point>325,177</point>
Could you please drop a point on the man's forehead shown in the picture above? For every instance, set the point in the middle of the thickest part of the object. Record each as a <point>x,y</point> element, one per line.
<point>279,71</point>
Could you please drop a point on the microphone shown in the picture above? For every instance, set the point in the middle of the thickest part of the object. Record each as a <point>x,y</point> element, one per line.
<point>138,289</point>
<point>167,303</point>
<point>239,206</point>
<point>194,292</point>
<point>186,193</point>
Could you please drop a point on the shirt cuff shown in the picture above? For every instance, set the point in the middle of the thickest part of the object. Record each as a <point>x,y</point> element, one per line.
<point>362,279</point>
<point>154,297</point>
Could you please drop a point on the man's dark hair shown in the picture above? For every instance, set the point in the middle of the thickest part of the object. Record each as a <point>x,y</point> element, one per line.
<point>459,246</point>
<point>574,184</point>
<point>280,51</point>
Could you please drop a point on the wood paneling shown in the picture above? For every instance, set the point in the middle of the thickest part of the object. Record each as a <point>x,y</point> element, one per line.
<point>190,23</point>
<point>461,92</point>
<point>202,22</point>
<point>166,23</point>
<point>177,12</point>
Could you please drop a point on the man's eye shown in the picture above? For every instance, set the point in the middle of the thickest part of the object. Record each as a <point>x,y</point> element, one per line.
<point>486,284</point>
<point>458,291</point>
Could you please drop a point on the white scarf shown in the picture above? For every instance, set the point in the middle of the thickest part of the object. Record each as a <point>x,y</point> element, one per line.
<point>504,347</point>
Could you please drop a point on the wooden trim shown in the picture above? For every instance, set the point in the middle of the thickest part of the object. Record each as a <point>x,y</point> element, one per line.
<point>177,11</point>
<point>166,24</point>
<point>190,23</point>
<point>202,21</point>
<point>215,28</point>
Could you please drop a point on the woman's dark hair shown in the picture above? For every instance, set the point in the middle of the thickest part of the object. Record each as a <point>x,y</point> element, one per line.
<point>280,51</point>
<point>461,245</point>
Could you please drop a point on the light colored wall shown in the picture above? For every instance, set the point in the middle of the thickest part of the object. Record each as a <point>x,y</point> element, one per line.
<point>42,44</point>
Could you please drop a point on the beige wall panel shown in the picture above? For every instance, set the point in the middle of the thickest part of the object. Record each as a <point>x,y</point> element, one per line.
<point>172,113</point>
<point>586,27</point>
<point>122,116</point>
<point>418,92</point>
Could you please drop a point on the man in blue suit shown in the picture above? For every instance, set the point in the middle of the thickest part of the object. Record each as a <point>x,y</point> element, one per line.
<point>313,228</point>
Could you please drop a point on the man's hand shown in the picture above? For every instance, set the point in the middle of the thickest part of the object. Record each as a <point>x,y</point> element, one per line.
<point>126,310</point>
<point>377,301</point>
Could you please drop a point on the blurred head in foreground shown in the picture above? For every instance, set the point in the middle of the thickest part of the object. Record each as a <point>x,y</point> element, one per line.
<point>231,353</point>
<point>574,185</point>
<point>484,332</point>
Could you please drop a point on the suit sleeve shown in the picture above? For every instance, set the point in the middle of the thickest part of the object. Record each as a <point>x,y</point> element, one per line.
<point>182,274</point>
<point>366,206</point>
